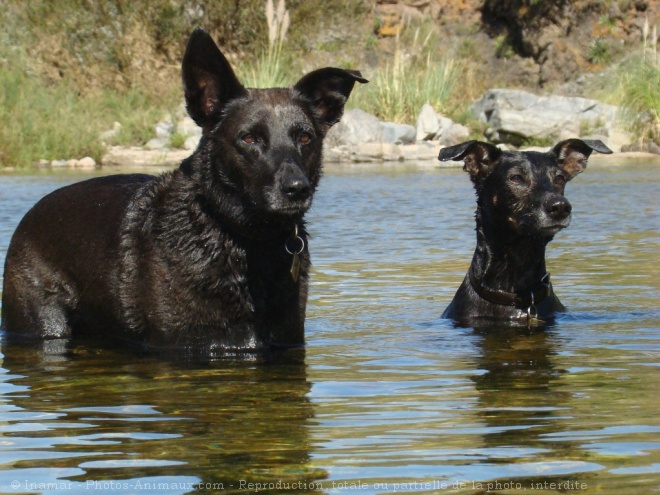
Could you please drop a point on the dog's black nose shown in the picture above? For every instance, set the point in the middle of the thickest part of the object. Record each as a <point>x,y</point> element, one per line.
<point>559,209</point>
<point>296,188</point>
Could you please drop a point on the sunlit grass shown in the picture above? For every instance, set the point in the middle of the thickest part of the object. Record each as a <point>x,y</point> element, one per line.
<point>37,121</point>
<point>635,89</point>
<point>415,75</point>
<point>46,121</point>
<point>270,70</point>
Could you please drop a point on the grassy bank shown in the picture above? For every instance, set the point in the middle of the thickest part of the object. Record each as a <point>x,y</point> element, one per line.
<point>47,118</point>
<point>418,73</point>
<point>70,73</point>
<point>42,121</point>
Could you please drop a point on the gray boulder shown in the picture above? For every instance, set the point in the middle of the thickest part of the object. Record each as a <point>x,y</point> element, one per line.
<point>515,116</point>
<point>158,143</point>
<point>191,143</point>
<point>164,130</point>
<point>455,134</point>
<point>394,133</point>
<point>432,126</point>
<point>356,127</point>
<point>445,124</point>
<point>188,127</point>
<point>428,123</point>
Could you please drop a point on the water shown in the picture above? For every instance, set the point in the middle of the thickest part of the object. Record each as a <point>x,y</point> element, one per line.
<point>388,397</point>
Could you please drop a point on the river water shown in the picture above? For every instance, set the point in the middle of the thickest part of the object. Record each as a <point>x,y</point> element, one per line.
<point>387,397</point>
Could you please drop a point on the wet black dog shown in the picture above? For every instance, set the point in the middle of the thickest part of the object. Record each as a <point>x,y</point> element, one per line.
<point>212,256</point>
<point>520,207</point>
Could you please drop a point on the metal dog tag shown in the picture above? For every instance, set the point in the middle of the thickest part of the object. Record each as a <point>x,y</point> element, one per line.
<point>535,322</point>
<point>295,267</point>
<point>295,251</point>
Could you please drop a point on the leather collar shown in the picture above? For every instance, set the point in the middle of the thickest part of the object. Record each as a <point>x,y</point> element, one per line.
<point>523,301</point>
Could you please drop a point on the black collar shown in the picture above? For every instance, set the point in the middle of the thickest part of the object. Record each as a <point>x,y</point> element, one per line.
<point>523,301</point>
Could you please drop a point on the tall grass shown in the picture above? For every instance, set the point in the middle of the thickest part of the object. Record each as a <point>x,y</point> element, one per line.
<point>37,121</point>
<point>269,70</point>
<point>40,120</point>
<point>638,90</point>
<point>415,76</point>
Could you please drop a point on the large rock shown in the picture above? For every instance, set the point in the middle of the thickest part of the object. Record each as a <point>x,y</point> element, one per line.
<point>432,126</point>
<point>428,123</point>
<point>455,134</point>
<point>394,133</point>
<point>515,116</point>
<point>138,157</point>
<point>356,127</point>
<point>188,127</point>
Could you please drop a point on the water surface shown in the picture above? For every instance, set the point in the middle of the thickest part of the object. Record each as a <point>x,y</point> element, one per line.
<point>387,397</point>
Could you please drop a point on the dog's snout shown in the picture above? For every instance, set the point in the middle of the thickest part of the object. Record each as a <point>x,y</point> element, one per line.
<point>559,208</point>
<point>296,188</point>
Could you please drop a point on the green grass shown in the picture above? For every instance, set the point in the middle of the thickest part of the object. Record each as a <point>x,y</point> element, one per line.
<point>57,110</point>
<point>397,92</point>
<point>416,75</point>
<point>599,52</point>
<point>136,110</point>
<point>177,140</point>
<point>39,120</point>
<point>637,93</point>
<point>271,70</point>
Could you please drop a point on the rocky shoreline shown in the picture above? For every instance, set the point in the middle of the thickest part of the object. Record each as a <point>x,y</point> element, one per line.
<point>511,119</point>
<point>424,155</point>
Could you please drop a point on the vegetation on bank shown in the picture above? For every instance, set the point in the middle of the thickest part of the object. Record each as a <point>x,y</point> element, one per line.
<point>42,121</point>
<point>637,89</point>
<point>69,72</point>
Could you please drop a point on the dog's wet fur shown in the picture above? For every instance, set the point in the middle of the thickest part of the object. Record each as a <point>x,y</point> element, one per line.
<point>198,258</point>
<point>520,207</point>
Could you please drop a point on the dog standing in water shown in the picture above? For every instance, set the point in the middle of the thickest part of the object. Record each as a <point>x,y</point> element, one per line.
<point>211,257</point>
<point>520,207</point>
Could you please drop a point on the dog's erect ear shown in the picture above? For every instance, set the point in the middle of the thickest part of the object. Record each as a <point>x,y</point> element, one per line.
<point>209,82</point>
<point>573,154</point>
<point>478,157</point>
<point>327,90</point>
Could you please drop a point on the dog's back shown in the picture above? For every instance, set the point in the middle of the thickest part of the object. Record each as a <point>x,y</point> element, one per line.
<point>64,256</point>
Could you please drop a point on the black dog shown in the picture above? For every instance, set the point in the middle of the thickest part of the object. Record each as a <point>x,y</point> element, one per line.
<point>212,256</point>
<point>520,207</point>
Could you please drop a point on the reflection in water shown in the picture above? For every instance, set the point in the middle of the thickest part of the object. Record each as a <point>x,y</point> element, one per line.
<point>517,397</point>
<point>388,397</point>
<point>102,420</point>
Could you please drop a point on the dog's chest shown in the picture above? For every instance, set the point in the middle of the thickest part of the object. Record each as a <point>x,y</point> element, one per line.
<point>233,277</point>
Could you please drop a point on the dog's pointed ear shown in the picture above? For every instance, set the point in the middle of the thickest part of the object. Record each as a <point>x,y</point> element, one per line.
<point>209,82</point>
<point>478,157</point>
<point>572,154</point>
<point>327,91</point>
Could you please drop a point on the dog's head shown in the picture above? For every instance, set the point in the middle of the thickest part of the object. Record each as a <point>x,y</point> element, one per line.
<point>523,192</point>
<point>263,146</point>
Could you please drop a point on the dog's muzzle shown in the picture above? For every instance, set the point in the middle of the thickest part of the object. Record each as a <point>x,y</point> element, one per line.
<point>292,191</point>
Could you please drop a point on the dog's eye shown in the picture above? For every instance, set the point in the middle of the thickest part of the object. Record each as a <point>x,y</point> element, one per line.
<point>249,138</point>
<point>560,180</point>
<point>304,137</point>
<point>517,179</point>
